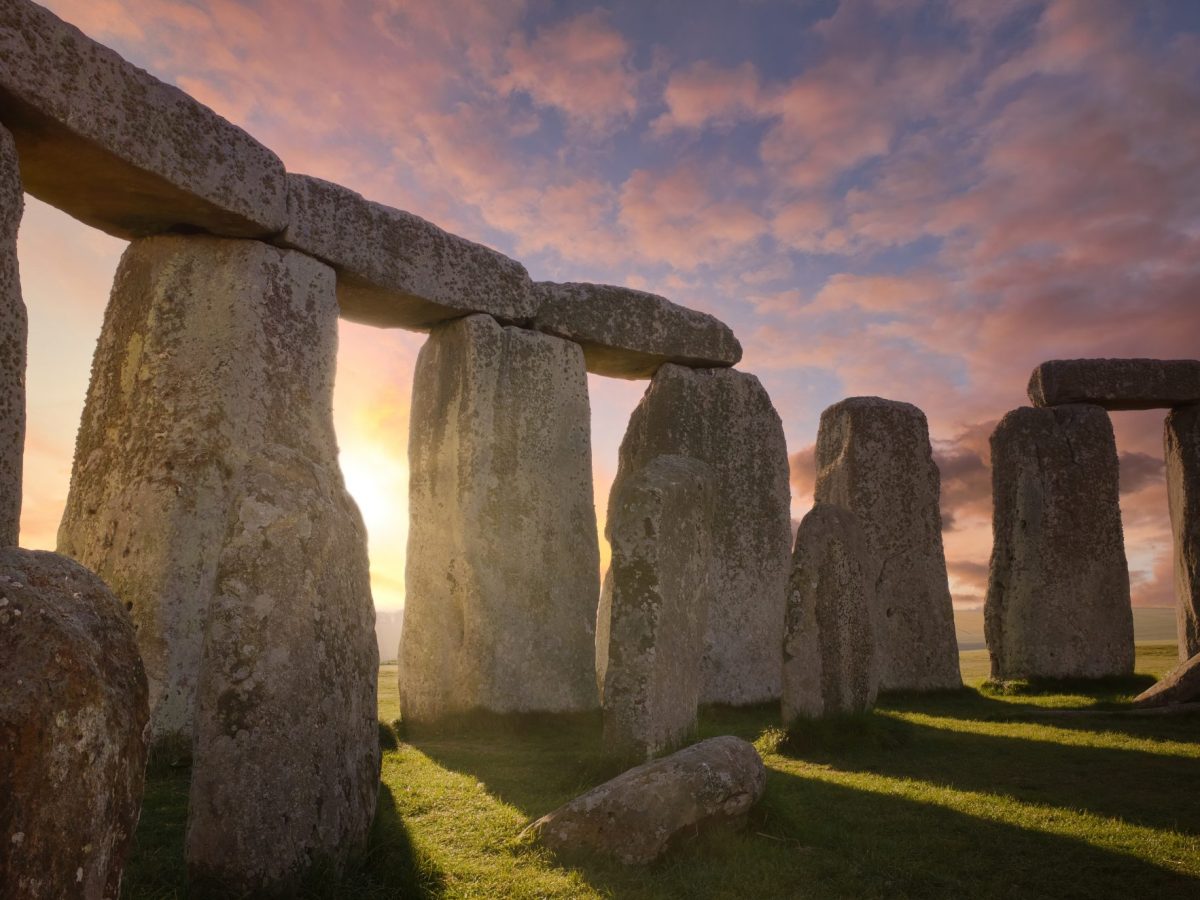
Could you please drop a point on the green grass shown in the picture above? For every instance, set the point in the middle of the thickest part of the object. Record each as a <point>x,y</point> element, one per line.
<point>976,793</point>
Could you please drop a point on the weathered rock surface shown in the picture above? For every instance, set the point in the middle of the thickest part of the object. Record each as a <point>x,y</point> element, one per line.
<point>874,459</point>
<point>120,150</point>
<point>13,333</point>
<point>634,817</point>
<point>397,270</point>
<point>1182,452</point>
<point>725,419</point>
<point>503,558</point>
<point>1116,383</point>
<point>654,607</point>
<point>206,490</point>
<point>1058,591</point>
<point>1180,685</point>
<point>830,664</point>
<point>629,334</point>
<point>73,740</point>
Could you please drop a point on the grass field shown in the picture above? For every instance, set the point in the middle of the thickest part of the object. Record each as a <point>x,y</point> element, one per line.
<point>969,794</point>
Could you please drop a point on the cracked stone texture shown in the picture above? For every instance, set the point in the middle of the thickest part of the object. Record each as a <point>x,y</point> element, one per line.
<point>654,606</point>
<point>629,334</point>
<point>73,734</point>
<point>724,418</point>
<point>636,816</point>
<point>1058,590</point>
<point>503,565</point>
<point>1180,685</point>
<point>120,150</point>
<point>206,490</point>
<point>397,270</point>
<point>874,459</point>
<point>1181,441</point>
<point>1116,383</point>
<point>13,335</point>
<point>830,664</point>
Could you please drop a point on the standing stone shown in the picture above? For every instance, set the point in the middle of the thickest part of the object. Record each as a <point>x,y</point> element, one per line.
<point>654,608</point>
<point>1058,591</point>
<point>13,332</point>
<point>503,558</point>
<point>206,490</point>
<point>874,459</point>
<point>1182,452</point>
<point>72,730</point>
<point>830,664</point>
<point>725,419</point>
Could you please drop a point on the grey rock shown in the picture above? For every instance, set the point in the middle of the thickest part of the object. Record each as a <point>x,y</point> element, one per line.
<point>1058,590</point>
<point>13,335</point>
<point>1182,453</point>
<point>635,816</point>
<point>629,334</point>
<point>1116,383</point>
<point>1180,685</point>
<point>724,418</point>
<point>830,664</point>
<point>874,459</point>
<point>503,557</point>
<point>206,490</point>
<point>654,607</point>
<point>72,730</point>
<point>397,270</point>
<point>120,150</point>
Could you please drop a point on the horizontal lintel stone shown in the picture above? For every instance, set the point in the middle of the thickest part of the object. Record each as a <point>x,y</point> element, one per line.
<point>396,270</point>
<point>629,334</point>
<point>1117,384</point>
<point>116,148</point>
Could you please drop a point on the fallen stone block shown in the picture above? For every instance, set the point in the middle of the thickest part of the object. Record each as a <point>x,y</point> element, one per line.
<point>830,664</point>
<point>120,150</point>
<point>1116,384</point>
<point>73,735</point>
<point>396,270</point>
<point>654,606</point>
<point>634,817</point>
<point>14,330</point>
<point>629,334</point>
<point>1180,685</point>
<point>1058,588</point>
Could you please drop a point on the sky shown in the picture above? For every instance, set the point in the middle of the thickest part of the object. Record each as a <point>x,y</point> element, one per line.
<point>915,199</point>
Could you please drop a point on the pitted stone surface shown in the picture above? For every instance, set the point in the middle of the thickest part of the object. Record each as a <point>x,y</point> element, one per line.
<point>1182,453</point>
<point>1180,685</point>
<point>654,607</point>
<point>1116,383</point>
<point>72,730</point>
<point>397,270</point>
<point>830,665</point>
<point>874,459</point>
<point>1058,591</point>
<point>206,490</point>
<point>635,816</point>
<point>13,335</point>
<point>724,418</point>
<point>503,558</point>
<point>629,334</point>
<point>120,150</point>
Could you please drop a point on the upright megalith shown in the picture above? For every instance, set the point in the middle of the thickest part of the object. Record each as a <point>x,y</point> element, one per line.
<point>830,663</point>
<point>206,491</point>
<point>13,332</point>
<point>875,460</point>
<point>1182,451</point>
<point>503,558</point>
<point>72,730</point>
<point>724,418</point>
<point>654,607</point>
<point>1058,591</point>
